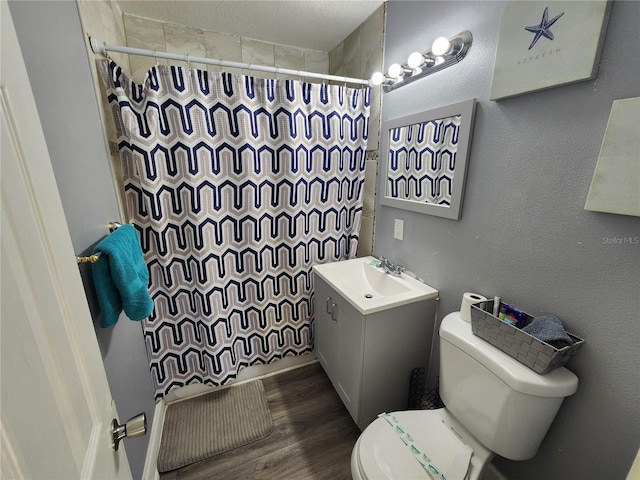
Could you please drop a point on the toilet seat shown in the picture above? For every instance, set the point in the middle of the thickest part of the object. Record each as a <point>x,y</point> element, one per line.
<point>382,454</point>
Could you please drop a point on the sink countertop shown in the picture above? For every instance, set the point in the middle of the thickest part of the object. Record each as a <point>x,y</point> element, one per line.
<point>369,289</point>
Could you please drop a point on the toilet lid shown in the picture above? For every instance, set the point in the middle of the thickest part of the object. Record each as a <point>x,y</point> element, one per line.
<point>389,452</point>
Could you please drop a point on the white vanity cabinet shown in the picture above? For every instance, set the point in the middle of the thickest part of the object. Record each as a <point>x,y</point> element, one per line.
<point>369,357</point>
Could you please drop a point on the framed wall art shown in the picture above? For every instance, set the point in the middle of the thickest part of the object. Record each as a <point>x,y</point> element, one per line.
<point>547,44</point>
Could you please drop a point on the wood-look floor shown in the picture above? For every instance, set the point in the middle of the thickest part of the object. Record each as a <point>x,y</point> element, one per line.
<point>312,438</point>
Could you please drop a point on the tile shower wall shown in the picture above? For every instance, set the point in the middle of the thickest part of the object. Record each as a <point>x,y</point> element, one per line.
<point>359,55</point>
<point>156,35</point>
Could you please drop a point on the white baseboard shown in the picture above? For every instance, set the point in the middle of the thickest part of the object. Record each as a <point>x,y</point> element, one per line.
<point>250,373</point>
<point>286,364</point>
<point>150,471</point>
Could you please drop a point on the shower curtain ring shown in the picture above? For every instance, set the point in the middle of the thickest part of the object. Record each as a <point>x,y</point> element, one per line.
<point>155,54</point>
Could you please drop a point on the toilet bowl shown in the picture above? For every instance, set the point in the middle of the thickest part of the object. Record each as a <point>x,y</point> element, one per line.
<point>493,405</point>
<point>435,433</point>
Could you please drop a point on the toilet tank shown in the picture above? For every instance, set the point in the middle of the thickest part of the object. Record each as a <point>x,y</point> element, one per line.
<point>502,403</point>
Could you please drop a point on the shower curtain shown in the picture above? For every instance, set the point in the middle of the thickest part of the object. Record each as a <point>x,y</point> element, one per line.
<point>237,186</point>
<point>422,160</point>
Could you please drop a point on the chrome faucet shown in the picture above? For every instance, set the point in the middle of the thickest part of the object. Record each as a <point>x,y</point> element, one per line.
<point>391,268</point>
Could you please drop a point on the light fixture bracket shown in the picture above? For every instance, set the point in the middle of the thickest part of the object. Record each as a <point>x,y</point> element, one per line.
<point>461,44</point>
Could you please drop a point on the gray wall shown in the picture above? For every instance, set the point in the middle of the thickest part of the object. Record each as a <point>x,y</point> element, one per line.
<point>524,234</point>
<point>52,44</point>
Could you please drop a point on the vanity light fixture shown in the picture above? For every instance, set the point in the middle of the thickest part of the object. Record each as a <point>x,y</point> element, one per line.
<point>397,71</point>
<point>441,46</point>
<point>379,78</point>
<point>443,53</point>
<point>418,60</point>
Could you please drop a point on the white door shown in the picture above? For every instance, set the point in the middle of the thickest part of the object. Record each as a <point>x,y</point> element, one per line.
<point>56,408</point>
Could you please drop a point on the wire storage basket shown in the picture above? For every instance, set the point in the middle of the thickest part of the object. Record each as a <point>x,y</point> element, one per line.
<point>527,349</point>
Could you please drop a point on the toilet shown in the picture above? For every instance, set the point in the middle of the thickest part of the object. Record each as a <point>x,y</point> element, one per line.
<point>493,405</point>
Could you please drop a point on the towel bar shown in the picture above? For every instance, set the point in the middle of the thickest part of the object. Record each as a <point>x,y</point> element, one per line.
<point>112,226</point>
<point>90,259</point>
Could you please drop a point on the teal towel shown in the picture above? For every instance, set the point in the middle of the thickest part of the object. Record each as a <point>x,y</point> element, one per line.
<point>121,277</point>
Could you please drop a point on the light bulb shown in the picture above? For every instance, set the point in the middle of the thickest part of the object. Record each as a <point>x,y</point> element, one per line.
<point>438,60</point>
<point>440,46</point>
<point>377,78</point>
<point>395,70</point>
<point>415,60</point>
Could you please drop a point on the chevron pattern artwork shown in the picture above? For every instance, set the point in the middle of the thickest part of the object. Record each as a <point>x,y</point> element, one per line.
<point>422,158</point>
<point>237,186</point>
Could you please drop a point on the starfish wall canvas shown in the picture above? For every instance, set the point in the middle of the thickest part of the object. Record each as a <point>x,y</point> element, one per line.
<point>544,44</point>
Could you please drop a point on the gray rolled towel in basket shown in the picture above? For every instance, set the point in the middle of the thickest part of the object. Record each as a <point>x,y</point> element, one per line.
<point>549,329</point>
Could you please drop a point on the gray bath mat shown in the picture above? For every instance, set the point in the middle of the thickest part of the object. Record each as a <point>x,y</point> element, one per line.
<point>210,424</point>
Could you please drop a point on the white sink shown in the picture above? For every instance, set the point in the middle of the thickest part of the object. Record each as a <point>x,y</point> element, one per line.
<point>369,289</point>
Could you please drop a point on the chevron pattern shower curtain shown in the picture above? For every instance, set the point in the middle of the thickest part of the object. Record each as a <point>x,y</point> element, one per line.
<point>422,159</point>
<point>237,186</point>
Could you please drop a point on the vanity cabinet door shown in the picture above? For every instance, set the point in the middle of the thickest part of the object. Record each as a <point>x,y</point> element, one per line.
<point>339,343</point>
<point>325,328</point>
<point>349,354</point>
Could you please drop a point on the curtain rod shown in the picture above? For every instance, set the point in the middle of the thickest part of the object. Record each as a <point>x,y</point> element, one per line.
<point>100,48</point>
